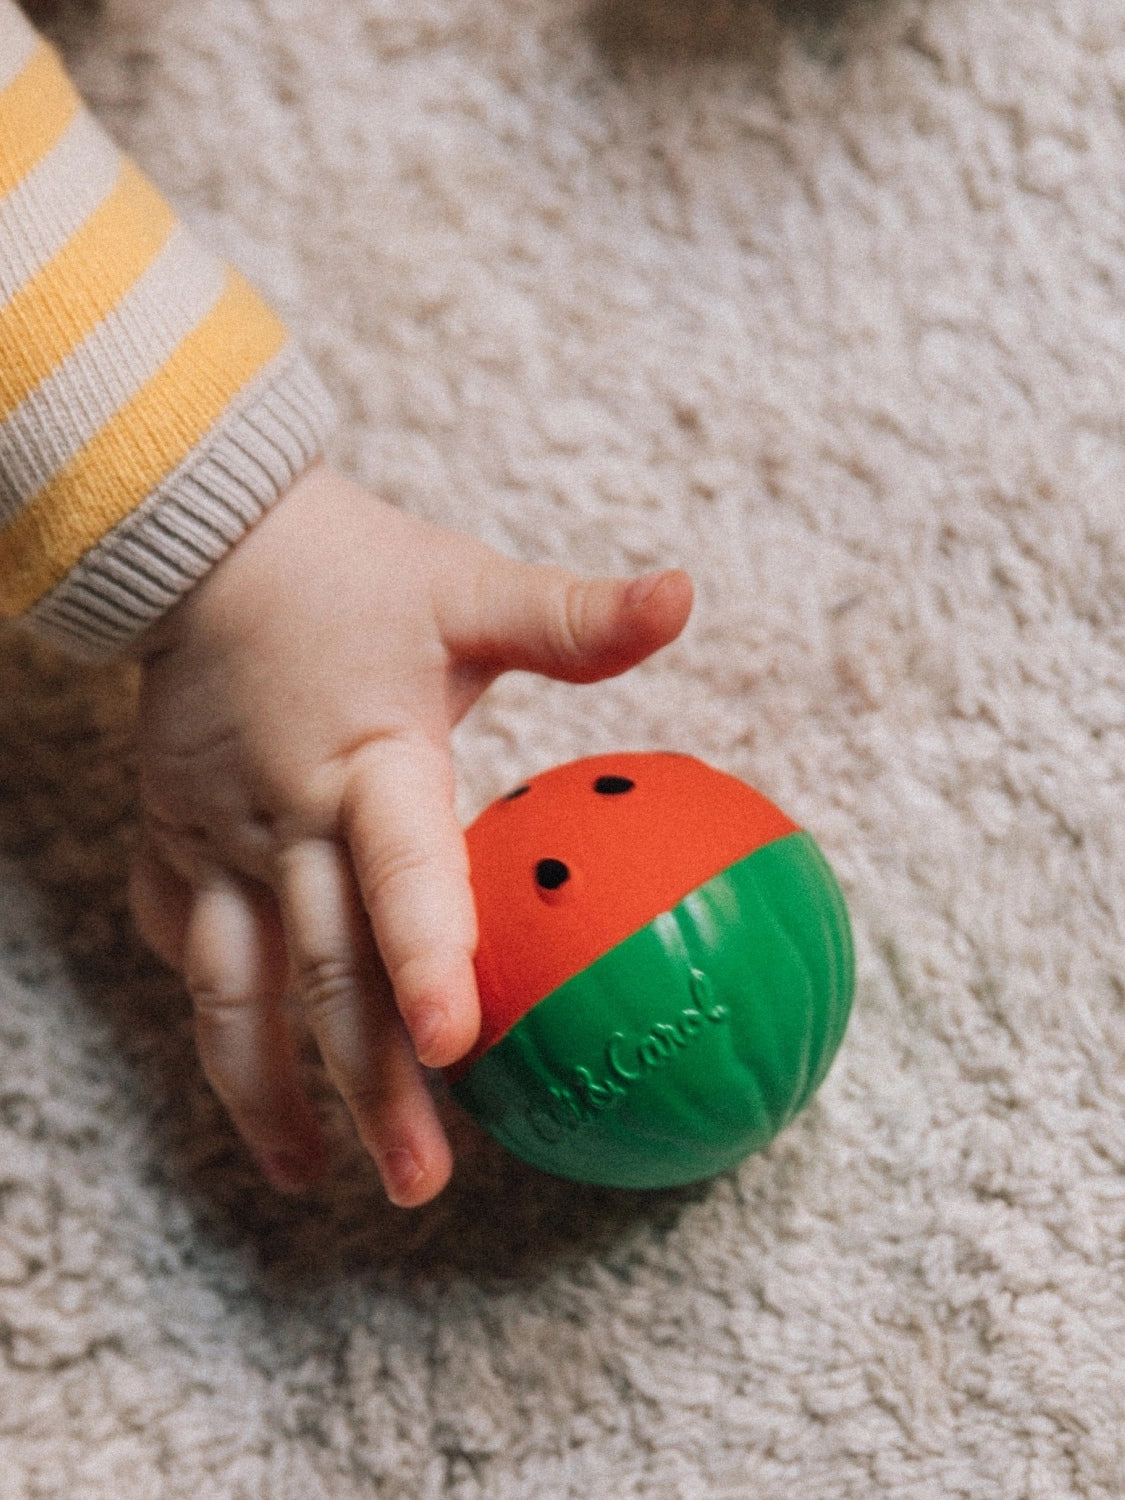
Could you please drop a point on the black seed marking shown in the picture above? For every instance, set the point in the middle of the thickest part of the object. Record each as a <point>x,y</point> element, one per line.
<point>520,791</point>
<point>613,786</point>
<point>551,873</point>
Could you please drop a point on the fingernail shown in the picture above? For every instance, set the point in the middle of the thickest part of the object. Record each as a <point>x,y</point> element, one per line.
<point>426,1032</point>
<point>641,590</point>
<point>399,1170</point>
<point>288,1172</point>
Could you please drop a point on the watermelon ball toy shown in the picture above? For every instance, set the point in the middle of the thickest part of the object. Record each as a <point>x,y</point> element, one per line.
<point>665,970</point>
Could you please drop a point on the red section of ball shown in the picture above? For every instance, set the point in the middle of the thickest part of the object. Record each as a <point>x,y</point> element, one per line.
<point>570,864</point>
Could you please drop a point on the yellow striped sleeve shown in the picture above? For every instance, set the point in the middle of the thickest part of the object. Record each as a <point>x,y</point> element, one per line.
<point>35,110</point>
<point>108,478</point>
<point>80,286</point>
<point>151,405</point>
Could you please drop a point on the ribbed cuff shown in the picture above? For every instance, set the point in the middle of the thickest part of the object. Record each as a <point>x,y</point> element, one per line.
<point>264,441</point>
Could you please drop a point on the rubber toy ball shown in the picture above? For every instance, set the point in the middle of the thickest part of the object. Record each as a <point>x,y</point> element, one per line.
<point>665,969</point>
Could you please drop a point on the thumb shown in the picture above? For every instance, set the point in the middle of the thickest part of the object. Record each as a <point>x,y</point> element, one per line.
<point>548,620</point>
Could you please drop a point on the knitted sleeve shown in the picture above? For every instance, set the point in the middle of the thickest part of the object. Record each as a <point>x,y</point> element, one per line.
<point>151,406</point>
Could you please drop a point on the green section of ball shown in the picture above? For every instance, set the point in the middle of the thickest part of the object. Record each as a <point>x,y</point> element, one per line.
<point>691,1043</point>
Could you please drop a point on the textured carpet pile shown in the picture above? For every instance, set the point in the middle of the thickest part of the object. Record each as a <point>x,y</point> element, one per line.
<point>827,302</point>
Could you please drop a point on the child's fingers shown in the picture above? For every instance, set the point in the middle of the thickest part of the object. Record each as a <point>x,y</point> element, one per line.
<point>547,620</point>
<point>161,903</point>
<point>234,965</point>
<point>412,866</point>
<point>352,1015</point>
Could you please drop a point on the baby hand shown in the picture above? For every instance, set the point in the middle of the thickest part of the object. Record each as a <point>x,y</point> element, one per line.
<point>299,833</point>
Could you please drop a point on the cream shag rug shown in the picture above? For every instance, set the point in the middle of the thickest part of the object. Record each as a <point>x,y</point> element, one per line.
<point>827,301</point>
